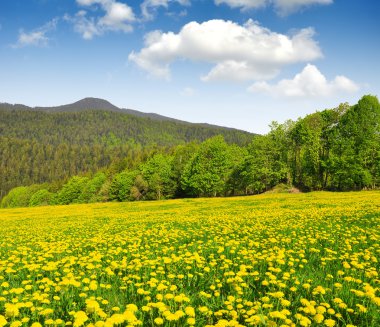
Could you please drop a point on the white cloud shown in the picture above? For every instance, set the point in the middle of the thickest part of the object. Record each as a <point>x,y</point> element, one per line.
<point>286,7</point>
<point>243,4</point>
<point>239,71</point>
<point>87,2</point>
<point>117,17</point>
<point>36,37</point>
<point>148,7</point>
<point>238,52</point>
<point>283,7</point>
<point>176,15</point>
<point>87,27</point>
<point>309,83</point>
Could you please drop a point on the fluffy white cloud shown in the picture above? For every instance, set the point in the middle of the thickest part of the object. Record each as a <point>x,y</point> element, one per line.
<point>36,37</point>
<point>309,83</point>
<point>148,7</point>
<point>238,52</point>
<point>283,7</point>
<point>117,17</point>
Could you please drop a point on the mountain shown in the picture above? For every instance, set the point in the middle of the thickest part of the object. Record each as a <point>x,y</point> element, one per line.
<point>84,104</point>
<point>46,144</point>
<point>100,104</point>
<point>153,116</point>
<point>97,104</point>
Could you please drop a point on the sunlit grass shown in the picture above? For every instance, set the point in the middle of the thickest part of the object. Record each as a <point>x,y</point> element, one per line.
<point>270,260</point>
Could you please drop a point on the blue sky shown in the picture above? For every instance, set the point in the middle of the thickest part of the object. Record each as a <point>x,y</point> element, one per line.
<point>236,63</point>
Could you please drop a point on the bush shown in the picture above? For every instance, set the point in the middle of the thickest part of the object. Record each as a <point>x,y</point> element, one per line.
<point>20,196</point>
<point>41,198</point>
<point>72,190</point>
<point>121,186</point>
<point>92,188</point>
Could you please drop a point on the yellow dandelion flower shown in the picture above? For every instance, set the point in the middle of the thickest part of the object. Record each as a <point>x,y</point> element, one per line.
<point>3,321</point>
<point>329,322</point>
<point>159,321</point>
<point>190,321</point>
<point>11,310</point>
<point>190,311</point>
<point>318,318</point>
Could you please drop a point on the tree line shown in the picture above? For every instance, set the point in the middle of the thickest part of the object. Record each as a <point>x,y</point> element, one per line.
<point>39,147</point>
<point>334,149</point>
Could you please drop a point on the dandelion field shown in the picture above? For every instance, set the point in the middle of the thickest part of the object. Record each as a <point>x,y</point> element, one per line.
<point>269,260</point>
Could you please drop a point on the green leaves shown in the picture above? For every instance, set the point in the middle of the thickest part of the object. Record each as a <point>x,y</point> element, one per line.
<point>41,198</point>
<point>72,190</point>
<point>121,185</point>
<point>158,173</point>
<point>208,170</point>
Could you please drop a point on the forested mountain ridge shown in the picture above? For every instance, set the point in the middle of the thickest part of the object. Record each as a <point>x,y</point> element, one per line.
<point>39,145</point>
<point>102,105</point>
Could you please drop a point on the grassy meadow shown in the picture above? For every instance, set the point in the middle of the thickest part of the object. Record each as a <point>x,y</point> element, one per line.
<point>269,260</point>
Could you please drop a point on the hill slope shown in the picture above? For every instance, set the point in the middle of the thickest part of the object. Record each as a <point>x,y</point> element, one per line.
<point>44,144</point>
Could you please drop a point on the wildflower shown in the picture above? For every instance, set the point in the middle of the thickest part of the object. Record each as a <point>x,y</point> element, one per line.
<point>80,318</point>
<point>329,322</point>
<point>190,311</point>
<point>158,321</point>
<point>11,310</point>
<point>318,318</point>
<point>92,306</point>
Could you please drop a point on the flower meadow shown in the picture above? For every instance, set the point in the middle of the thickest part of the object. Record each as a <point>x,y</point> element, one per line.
<point>269,260</point>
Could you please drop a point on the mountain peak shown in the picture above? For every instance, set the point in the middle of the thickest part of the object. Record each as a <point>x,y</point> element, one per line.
<point>84,104</point>
<point>95,103</point>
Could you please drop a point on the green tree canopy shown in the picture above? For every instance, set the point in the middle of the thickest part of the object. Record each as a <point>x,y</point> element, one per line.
<point>208,170</point>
